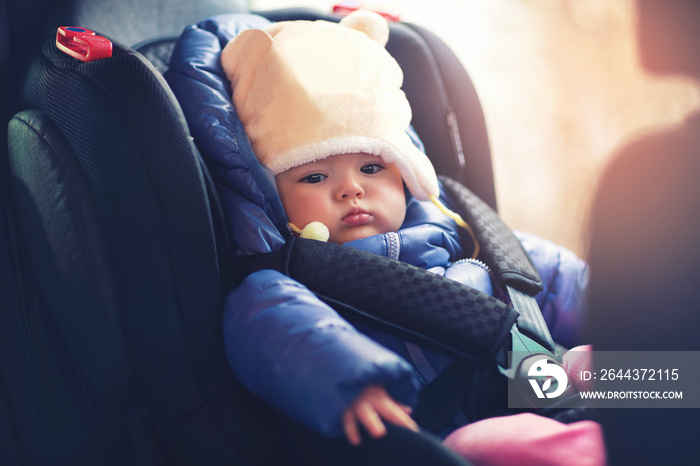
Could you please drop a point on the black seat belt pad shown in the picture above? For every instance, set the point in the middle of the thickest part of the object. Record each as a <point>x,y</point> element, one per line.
<point>394,296</point>
<point>408,296</point>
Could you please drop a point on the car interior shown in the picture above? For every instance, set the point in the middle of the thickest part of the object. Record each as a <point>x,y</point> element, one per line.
<point>114,261</point>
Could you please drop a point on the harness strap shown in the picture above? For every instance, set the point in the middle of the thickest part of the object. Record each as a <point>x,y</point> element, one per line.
<point>442,397</point>
<point>530,322</point>
<point>506,258</point>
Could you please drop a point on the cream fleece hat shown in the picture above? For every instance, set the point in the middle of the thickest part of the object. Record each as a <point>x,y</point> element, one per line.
<point>306,90</point>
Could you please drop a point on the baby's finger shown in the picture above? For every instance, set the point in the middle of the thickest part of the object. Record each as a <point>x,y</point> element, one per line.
<point>371,420</point>
<point>395,414</point>
<point>350,428</point>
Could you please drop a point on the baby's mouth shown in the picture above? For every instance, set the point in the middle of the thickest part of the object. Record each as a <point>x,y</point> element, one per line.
<point>356,217</point>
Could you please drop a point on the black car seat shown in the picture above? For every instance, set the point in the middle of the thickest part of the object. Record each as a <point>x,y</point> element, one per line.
<point>113,255</point>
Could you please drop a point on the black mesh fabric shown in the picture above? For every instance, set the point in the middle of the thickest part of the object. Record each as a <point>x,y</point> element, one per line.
<point>407,300</point>
<point>130,139</point>
<point>57,414</point>
<point>500,249</point>
<point>67,248</point>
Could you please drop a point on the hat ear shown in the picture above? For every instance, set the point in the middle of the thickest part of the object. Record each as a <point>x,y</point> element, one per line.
<point>241,57</point>
<point>372,24</point>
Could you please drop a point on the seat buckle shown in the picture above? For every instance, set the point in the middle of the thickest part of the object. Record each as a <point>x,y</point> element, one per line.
<point>82,44</point>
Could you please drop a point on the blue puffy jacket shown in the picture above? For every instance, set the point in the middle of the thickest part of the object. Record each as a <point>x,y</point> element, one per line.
<point>282,342</point>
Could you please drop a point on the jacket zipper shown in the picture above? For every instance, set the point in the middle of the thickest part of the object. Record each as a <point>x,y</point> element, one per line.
<point>477,262</point>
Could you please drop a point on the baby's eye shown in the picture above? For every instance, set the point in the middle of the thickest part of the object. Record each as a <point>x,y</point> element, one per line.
<point>313,178</point>
<point>371,168</point>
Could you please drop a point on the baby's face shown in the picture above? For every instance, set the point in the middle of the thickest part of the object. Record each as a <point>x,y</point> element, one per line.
<point>354,195</point>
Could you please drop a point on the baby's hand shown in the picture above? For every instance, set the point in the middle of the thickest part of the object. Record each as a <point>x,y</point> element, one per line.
<point>373,405</point>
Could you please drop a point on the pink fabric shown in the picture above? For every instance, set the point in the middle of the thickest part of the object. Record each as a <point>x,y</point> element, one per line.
<point>528,439</point>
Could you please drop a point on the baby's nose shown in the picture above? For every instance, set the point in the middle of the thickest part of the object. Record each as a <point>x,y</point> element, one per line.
<point>350,187</point>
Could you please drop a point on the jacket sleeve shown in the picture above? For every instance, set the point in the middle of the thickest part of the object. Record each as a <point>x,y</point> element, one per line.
<point>565,278</point>
<point>299,355</point>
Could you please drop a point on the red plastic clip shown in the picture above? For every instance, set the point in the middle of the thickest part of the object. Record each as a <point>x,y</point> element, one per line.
<point>346,7</point>
<point>82,44</point>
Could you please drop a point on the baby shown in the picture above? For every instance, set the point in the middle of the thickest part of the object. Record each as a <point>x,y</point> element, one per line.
<point>322,107</point>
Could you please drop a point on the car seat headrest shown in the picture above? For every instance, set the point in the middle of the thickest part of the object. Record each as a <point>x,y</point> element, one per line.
<point>132,22</point>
